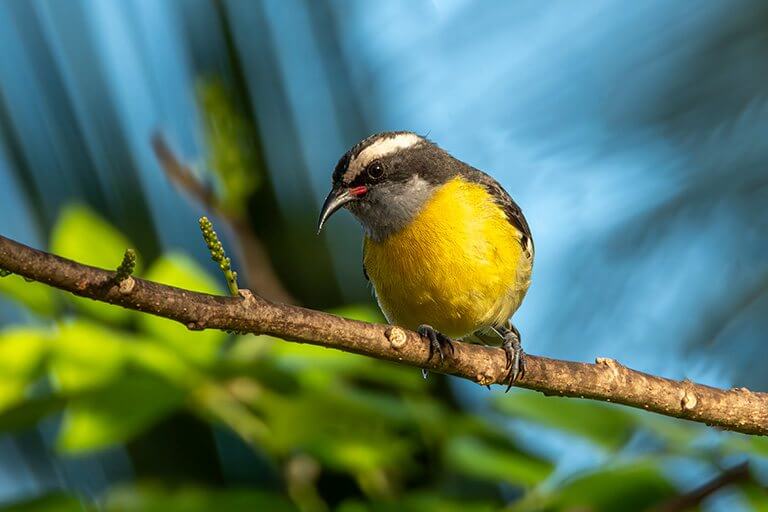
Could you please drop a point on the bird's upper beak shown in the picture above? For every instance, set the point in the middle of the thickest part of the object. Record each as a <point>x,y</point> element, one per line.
<point>337,198</point>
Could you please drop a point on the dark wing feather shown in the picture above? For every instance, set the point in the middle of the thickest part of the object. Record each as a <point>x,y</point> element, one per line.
<point>511,209</point>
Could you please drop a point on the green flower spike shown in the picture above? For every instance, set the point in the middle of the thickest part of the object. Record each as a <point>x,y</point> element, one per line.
<point>218,255</point>
<point>127,266</point>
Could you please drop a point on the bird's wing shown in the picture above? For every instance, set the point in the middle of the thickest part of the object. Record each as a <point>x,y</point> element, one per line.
<point>511,209</point>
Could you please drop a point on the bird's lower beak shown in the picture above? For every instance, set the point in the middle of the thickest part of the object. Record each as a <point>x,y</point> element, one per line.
<point>335,200</point>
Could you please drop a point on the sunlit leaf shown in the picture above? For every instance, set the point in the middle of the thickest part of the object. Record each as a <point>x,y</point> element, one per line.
<point>155,499</point>
<point>86,355</point>
<point>22,351</point>
<point>116,413</point>
<point>473,457</point>
<point>12,390</point>
<point>177,269</point>
<point>37,297</point>
<point>80,234</point>
<point>604,424</point>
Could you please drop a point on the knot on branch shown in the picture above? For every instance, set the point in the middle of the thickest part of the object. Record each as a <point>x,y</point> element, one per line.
<point>612,364</point>
<point>688,399</point>
<point>397,337</point>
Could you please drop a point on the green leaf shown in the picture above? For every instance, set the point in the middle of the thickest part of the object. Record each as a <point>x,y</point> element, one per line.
<point>746,444</point>
<point>155,499</point>
<point>635,487</point>
<point>12,391</point>
<point>116,413</point>
<point>604,424</point>
<point>475,458</point>
<point>35,296</point>
<point>233,156</point>
<point>80,234</point>
<point>50,503</point>
<point>22,351</point>
<point>201,347</point>
<point>28,413</point>
<point>756,495</point>
<point>87,355</point>
<point>421,502</point>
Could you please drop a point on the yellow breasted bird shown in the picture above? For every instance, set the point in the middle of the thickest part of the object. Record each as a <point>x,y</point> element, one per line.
<point>449,253</point>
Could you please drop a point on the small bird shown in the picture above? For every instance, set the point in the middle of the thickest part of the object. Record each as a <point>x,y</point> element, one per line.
<point>449,253</point>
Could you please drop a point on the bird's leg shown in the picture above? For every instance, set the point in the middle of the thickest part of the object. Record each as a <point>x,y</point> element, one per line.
<point>437,343</point>
<point>514,352</point>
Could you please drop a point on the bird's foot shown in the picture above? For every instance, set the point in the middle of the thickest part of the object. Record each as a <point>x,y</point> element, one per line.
<point>515,356</point>
<point>438,343</point>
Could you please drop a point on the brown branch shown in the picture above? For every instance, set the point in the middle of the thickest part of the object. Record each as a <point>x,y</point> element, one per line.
<point>735,409</point>
<point>259,272</point>
<point>688,501</point>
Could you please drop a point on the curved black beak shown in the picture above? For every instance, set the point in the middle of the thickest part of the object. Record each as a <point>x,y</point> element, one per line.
<point>335,200</point>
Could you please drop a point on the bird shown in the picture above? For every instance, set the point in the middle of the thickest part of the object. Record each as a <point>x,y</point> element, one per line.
<point>449,253</point>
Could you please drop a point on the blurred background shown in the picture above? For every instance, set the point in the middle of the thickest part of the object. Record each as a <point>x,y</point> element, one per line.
<point>632,134</point>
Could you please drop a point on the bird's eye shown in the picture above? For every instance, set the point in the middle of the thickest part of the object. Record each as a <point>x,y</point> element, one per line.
<point>375,170</point>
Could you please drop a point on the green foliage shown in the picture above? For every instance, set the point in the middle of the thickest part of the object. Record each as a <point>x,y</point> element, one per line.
<point>403,443</point>
<point>115,413</point>
<point>634,487</point>
<point>231,142</point>
<point>36,297</point>
<point>606,425</point>
<point>471,456</point>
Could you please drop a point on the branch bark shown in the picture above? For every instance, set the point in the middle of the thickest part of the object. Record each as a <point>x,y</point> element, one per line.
<point>737,409</point>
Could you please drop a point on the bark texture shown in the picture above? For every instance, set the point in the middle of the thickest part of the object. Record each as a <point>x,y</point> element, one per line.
<point>737,409</point>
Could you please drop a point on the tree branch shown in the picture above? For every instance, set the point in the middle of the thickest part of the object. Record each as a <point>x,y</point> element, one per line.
<point>736,474</point>
<point>738,409</point>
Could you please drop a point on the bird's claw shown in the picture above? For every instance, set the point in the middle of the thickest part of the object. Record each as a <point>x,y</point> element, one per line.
<point>438,343</point>
<point>515,357</point>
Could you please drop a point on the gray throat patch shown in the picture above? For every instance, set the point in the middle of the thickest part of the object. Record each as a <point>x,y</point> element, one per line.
<point>390,207</point>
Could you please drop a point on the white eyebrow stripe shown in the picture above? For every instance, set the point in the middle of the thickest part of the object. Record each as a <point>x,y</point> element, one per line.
<point>381,148</point>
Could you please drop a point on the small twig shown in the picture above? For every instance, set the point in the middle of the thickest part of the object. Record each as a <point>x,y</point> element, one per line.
<point>259,271</point>
<point>127,266</point>
<point>689,500</point>
<point>218,255</point>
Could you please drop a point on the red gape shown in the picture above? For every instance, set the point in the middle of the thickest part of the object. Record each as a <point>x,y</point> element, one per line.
<point>358,191</point>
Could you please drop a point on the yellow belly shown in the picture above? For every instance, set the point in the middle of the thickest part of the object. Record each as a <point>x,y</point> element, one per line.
<point>459,266</point>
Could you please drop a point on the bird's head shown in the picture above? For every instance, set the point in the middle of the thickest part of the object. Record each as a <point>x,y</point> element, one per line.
<point>385,179</point>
